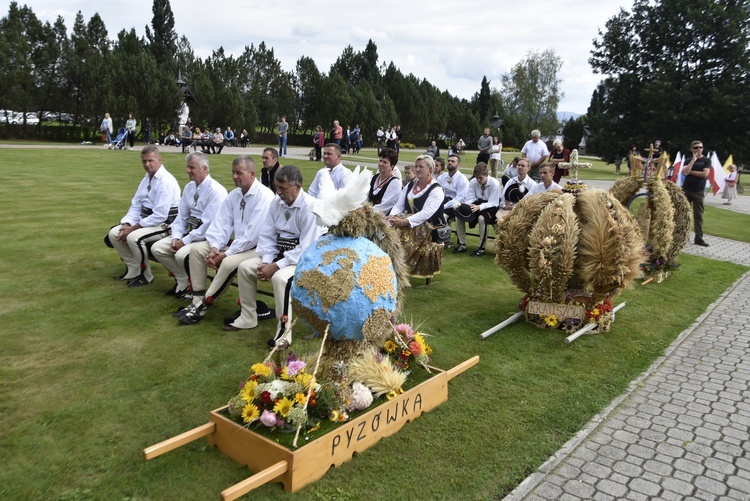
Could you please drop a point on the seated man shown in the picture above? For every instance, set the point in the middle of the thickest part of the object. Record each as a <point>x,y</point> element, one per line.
<point>270,166</point>
<point>243,213</point>
<point>289,230</point>
<point>217,141</point>
<point>201,199</point>
<point>546,173</point>
<point>332,161</point>
<point>152,209</point>
<point>518,186</point>
<point>187,138</point>
<point>485,193</point>
<point>456,187</point>
<point>229,137</point>
<point>433,150</point>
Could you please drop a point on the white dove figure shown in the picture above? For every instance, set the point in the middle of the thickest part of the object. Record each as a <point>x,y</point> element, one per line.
<point>332,205</point>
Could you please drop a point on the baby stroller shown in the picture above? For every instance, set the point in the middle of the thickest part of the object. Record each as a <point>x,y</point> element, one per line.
<point>118,142</point>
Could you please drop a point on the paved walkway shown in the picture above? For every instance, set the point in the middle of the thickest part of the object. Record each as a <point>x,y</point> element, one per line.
<point>682,429</point>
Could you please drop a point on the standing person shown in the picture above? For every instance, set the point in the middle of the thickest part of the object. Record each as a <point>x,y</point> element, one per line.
<point>391,138</point>
<point>633,156</point>
<point>536,151</point>
<point>146,129</point>
<point>339,173</point>
<point>485,193</point>
<point>557,156</point>
<point>485,145</point>
<point>354,139</point>
<point>496,156</point>
<point>201,200</point>
<point>380,135</point>
<point>153,208</point>
<point>730,185</point>
<point>270,159</point>
<point>230,240</point>
<point>289,229</point>
<point>399,138</point>
<point>283,129</point>
<point>618,163</point>
<point>694,186</point>
<point>318,141</point>
<point>385,187</point>
<point>546,172</point>
<point>106,127</point>
<point>130,127</point>
<point>336,133</point>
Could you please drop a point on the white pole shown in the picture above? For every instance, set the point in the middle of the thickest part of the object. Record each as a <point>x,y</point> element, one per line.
<point>513,318</point>
<point>590,327</point>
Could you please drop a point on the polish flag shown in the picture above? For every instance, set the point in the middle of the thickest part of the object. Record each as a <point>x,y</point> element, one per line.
<point>717,175</point>
<point>677,176</point>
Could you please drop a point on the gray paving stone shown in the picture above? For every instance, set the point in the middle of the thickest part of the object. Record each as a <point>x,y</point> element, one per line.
<point>578,488</point>
<point>711,486</point>
<point>645,487</point>
<point>678,486</point>
<point>612,488</point>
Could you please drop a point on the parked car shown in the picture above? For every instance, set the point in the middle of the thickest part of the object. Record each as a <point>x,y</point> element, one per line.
<point>6,116</point>
<point>31,118</point>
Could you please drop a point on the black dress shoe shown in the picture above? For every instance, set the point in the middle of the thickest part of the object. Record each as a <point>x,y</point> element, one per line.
<point>460,249</point>
<point>232,328</point>
<point>478,252</point>
<point>229,320</point>
<point>172,291</point>
<point>701,242</point>
<point>123,277</point>
<point>139,281</point>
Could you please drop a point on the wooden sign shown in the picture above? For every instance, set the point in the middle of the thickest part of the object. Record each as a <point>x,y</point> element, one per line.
<point>561,311</point>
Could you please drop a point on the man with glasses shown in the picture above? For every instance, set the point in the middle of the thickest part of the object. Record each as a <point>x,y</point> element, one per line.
<point>694,186</point>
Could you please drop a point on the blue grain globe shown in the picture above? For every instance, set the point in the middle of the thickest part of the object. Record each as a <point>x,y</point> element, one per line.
<point>346,283</point>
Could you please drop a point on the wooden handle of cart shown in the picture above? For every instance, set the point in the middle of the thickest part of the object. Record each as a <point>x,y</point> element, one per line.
<point>178,441</point>
<point>463,366</point>
<point>250,483</point>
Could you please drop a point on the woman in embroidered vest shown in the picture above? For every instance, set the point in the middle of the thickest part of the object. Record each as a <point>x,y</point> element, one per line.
<point>417,213</point>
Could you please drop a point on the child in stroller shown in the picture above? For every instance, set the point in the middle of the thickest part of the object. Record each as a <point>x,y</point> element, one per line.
<point>118,142</point>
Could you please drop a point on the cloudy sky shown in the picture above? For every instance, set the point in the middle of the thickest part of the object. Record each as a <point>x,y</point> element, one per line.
<point>452,48</point>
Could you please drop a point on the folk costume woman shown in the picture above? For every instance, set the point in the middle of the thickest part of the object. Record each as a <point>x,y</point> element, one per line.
<point>418,212</point>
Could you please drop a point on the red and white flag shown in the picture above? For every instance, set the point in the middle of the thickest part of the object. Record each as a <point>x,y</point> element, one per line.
<point>717,175</point>
<point>677,176</point>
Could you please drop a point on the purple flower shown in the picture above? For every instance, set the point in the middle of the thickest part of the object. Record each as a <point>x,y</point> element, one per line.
<point>268,418</point>
<point>294,367</point>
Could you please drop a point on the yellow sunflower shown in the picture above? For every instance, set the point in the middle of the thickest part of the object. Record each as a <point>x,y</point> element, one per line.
<point>261,370</point>
<point>300,398</point>
<point>283,406</point>
<point>248,391</point>
<point>390,346</point>
<point>250,413</point>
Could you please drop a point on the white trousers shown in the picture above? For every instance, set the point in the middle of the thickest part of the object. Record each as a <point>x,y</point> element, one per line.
<point>224,275</point>
<point>176,262</point>
<point>134,253</point>
<point>248,284</point>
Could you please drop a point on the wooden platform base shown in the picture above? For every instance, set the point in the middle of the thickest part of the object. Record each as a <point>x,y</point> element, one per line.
<point>296,468</point>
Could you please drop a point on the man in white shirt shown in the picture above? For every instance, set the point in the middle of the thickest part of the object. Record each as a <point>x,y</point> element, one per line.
<point>288,230</point>
<point>152,209</point>
<point>242,214</point>
<point>536,151</point>
<point>484,191</point>
<point>518,186</point>
<point>546,172</point>
<point>455,186</point>
<point>201,199</point>
<point>339,173</point>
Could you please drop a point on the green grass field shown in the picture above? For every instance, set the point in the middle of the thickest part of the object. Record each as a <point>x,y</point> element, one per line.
<point>92,372</point>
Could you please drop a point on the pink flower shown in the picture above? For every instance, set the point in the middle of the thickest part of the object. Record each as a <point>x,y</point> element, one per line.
<point>294,367</point>
<point>268,418</point>
<point>405,330</point>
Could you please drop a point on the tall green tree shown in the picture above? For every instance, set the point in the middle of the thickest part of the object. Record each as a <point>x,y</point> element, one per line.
<point>531,91</point>
<point>676,70</point>
<point>162,43</point>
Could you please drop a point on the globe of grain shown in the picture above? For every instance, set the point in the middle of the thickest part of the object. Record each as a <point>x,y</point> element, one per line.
<point>347,284</point>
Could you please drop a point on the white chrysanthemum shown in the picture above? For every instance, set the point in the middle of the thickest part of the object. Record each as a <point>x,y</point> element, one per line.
<point>297,416</point>
<point>361,398</point>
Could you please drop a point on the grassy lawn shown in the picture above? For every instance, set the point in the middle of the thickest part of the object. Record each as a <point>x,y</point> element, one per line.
<point>91,372</point>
